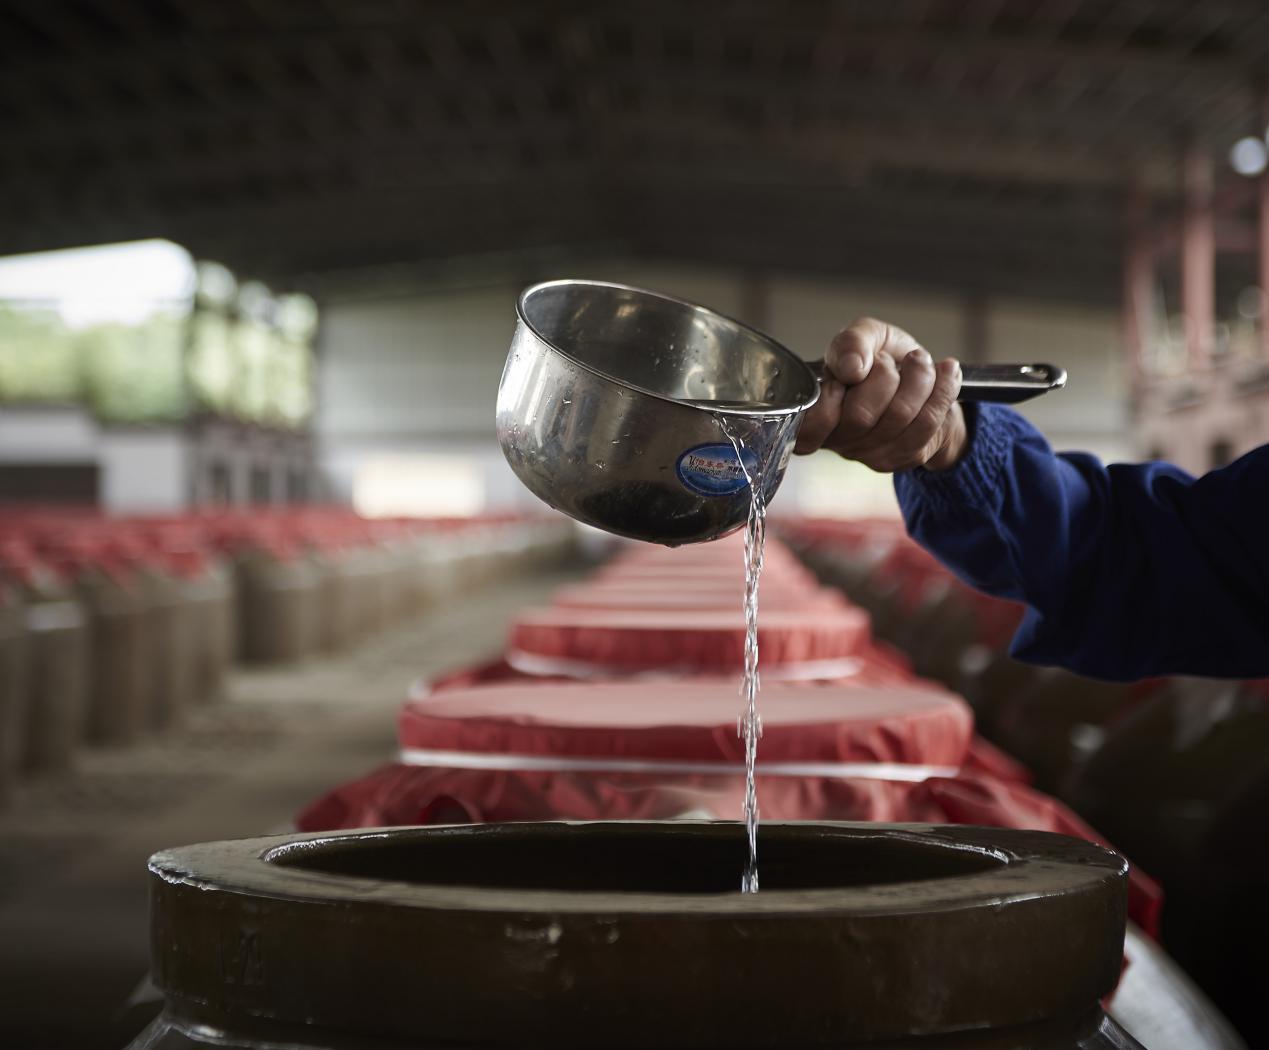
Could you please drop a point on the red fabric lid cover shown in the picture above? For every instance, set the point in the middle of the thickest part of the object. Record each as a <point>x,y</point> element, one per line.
<point>878,664</point>
<point>725,585</point>
<point>732,569</point>
<point>694,720</point>
<point>691,639</point>
<point>614,596</point>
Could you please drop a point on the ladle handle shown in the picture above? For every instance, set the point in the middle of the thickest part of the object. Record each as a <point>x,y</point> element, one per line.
<point>1008,384</point>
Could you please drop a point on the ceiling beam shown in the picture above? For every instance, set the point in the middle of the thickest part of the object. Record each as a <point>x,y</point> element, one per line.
<point>1020,42</point>
<point>1032,119</point>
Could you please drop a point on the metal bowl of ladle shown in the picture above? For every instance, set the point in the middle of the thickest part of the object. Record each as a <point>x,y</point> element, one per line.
<point>647,416</point>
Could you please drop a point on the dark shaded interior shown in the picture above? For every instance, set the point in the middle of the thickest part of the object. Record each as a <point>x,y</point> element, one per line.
<point>972,147</point>
<point>73,483</point>
<point>608,859</point>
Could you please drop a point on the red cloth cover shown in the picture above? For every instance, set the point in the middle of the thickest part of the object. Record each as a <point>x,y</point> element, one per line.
<point>399,794</point>
<point>672,599</point>
<point>878,664</point>
<point>686,721</point>
<point>695,720</point>
<point>701,640</point>
<point>720,561</point>
<point>986,757</point>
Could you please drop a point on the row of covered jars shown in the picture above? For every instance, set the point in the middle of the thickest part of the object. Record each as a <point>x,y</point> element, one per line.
<point>1173,771</point>
<point>111,628</point>
<point>104,636</point>
<point>313,584</point>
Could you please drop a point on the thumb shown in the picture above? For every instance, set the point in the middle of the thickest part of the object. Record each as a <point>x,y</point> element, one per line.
<point>851,353</point>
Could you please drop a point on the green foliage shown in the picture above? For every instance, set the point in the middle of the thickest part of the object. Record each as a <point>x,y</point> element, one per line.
<point>39,360</point>
<point>213,361</point>
<point>133,373</point>
<point>160,369</point>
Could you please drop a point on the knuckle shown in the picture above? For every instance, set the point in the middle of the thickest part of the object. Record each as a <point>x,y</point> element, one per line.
<point>943,396</point>
<point>858,417</point>
<point>897,418</point>
<point>934,412</point>
<point>887,363</point>
<point>925,425</point>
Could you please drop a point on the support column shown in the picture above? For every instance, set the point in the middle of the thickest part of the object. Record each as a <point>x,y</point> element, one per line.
<point>1198,256</point>
<point>755,299</point>
<point>1138,288</point>
<point>975,334</point>
<point>1262,235</point>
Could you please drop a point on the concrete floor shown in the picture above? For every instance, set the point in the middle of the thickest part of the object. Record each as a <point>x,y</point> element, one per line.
<point>73,891</point>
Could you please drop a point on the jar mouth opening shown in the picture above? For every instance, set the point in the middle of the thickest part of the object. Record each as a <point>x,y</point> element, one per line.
<point>636,859</point>
<point>329,930</point>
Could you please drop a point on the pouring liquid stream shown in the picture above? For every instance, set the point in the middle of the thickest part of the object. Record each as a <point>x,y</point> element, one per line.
<point>749,724</point>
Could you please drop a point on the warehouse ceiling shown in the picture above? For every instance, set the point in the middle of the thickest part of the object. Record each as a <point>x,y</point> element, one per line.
<point>978,145</point>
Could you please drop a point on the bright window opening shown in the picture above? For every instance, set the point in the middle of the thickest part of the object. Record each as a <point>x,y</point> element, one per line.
<point>421,485</point>
<point>112,284</point>
<point>826,486</point>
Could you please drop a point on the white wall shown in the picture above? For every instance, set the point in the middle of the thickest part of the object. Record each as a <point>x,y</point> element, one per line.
<point>425,367</point>
<point>414,376</point>
<point>806,314</point>
<point>144,471</point>
<point>47,434</point>
<point>141,470</point>
<point>420,374</point>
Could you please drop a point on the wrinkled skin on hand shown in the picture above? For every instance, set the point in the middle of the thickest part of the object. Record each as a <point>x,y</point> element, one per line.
<point>885,402</point>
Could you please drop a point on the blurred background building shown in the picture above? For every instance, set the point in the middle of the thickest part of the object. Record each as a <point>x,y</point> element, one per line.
<point>265,254</point>
<point>1076,182</point>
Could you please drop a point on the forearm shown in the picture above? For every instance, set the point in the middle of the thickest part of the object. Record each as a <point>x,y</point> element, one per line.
<point>1127,571</point>
<point>960,514</point>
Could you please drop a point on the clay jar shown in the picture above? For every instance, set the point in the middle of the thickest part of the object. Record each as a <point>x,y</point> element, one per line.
<point>278,591</point>
<point>12,687</point>
<point>215,628</point>
<point>55,683</point>
<point>634,935</point>
<point>171,620</point>
<point>122,653</point>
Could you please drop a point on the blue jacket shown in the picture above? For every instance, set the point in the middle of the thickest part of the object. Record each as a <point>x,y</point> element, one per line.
<point>1128,571</point>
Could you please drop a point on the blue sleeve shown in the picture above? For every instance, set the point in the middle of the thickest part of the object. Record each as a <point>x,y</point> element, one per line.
<point>1127,571</point>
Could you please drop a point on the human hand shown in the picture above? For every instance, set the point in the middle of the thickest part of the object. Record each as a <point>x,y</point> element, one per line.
<point>885,402</point>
